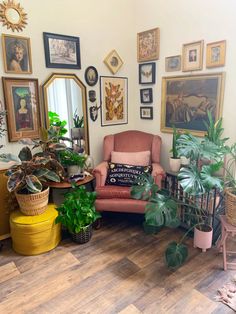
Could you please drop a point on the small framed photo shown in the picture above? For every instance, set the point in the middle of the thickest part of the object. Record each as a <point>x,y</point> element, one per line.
<point>216,54</point>
<point>113,61</point>
<point>22,105</point>
<point>91,76</point>
<point>147,73</point>
<point>192,56</point>
<point>146,113</point>
<point>148,45</point>
<point>16,54</point>
<point>146,96</point>
<point>173,63</point>
<point>61,51</point>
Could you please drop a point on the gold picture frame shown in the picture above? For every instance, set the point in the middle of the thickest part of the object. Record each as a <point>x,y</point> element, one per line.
<point>192,58</point>
<point>12,15</point>
<point>215,54</point>
<point>16,54</point>
<point>186,100</point>
<point>173,63</point>
<point>148,45</point>
<point>113,61</point>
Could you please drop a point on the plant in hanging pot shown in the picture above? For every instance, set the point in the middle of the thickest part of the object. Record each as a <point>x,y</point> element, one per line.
<point>74,162</point>
<point>77,213</point>
<point>175,161</point>
<point>77,132</point>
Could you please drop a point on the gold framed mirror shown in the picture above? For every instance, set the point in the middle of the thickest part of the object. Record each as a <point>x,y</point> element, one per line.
<point>12,15</point>
<point>65,94</point>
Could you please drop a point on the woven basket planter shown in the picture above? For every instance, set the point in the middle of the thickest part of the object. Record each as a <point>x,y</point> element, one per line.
<point>83,236</point>
<point>33,204</point>
<point>230,207</point>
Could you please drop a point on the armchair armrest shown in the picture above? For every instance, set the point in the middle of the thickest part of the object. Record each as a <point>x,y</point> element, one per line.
<point>158,173</point>
<point>100,173</point>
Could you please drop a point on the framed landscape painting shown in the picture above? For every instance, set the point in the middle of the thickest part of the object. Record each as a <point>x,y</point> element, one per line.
<point>186,100</point>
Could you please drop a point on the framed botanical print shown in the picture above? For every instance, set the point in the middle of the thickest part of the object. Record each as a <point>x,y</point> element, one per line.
<point>61,51</point>
<point>146,96</point>
<point>148,45</point>
<point>16,54</point>
<point>192,56</point>
<point>91,76</point>
<point>187,99</point>
<point>146,113</point>
<point>22,105</point>
<point>173,63</point>
<point>113,61</point>
<point>216,54</point>
<point>114,100</point>
<point>147,73</point>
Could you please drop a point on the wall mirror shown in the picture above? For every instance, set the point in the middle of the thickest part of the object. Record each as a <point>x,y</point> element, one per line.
<point>12,15</point>
<point>65,94</point>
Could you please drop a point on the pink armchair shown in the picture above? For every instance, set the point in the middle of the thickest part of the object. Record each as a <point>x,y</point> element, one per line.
<point>117,198</point>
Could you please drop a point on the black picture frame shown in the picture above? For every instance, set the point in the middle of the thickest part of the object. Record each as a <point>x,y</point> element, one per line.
<point>91,76</point>
<point>147,73</point>
<point>146,96</point>
<point>59,48</point>
<point>146,113</point>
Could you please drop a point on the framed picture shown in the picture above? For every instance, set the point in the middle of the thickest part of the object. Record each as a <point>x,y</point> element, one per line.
<point>186,100</point>
<point>148,45</point>
<point>146,95</point>
<point>113,61</point>
<point>173,63</point>
<point>16,54</point>
<point>61,51</point>
<point>91,76</point>
<point>146,113</point>
<point>147,73</point>
<point>192,56</point>
<point>216,54</point>
<point>114,100</point>
<point>22,105</point>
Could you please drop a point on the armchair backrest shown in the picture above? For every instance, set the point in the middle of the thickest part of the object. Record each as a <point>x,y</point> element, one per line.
<point>132,141</point>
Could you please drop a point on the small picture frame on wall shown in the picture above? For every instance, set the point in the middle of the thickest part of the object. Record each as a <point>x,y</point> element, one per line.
<point>91,76</point>
<point>192,56</point>
<point>147,73</point>
<point>146,96</point>
<point>146,113</point>
<point>113,61</point>
<point>173,63</point>
<point>148,45</point>
<point>16,54</point>
<point>216,54</point>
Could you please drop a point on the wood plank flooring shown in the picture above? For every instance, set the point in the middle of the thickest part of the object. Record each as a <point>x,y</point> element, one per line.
<point>121,270</point>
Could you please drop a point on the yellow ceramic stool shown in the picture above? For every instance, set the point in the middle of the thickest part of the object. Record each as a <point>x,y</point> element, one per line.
<point>32,235</point>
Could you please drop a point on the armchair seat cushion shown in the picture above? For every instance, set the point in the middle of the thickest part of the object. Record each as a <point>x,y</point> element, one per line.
<point>113,191</point>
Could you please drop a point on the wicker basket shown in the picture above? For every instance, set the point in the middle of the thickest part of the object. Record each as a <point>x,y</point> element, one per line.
<point>33,204</point>
<point>230,207</point>
<point>83,236</point>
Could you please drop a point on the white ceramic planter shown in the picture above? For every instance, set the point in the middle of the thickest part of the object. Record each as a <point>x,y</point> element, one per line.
<point>203,239</point>
<point>175,164</point>
<point>184,161</point>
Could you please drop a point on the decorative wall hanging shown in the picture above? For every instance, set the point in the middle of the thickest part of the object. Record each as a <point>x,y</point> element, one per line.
<point>22,105</point>
<point>148,45</point>
<point>147,73</point>
<point>93,112</point>
<point>92,95</point>
<point>61,51</point>
<point>12,15</point>
<point>216,54</point>
<point>173,63</point>
<point>113,61</point>
<point>16,54</point>
<point>146,113</point>
<point>192,56</point>
<point>186,100</point>
<point>91,76</point>
<point>114,100</point>
<point>146,95</point>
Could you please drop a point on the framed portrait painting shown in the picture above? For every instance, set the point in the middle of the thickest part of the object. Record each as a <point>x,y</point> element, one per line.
<point>216,54</point>
<point>16,54</point>
<point>147,73</point>
<point>91,76</point>
<point>146,113</point>
<point>22,105</point>
<point>114,100</point>
<point>192,56</point>
<point>61,51</point>
<point>148,45</point>
<point>113,61</point>
<point>173,63</point>
<point>146,96</point>
<point>187,99</point>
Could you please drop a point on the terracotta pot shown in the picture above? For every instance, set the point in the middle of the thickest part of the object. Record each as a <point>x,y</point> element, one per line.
<point>175,164</point>
<point>203,238</point>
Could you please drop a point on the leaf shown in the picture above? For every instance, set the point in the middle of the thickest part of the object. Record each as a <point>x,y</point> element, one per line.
<point>190,180</point>
<point>25,154</point>
<point>149,229</point>
<point>51,175</point>
<point>207,176</point>
<point>176,254</point>
<point>189,146</point>
<point>15,180</point>
<point>154,215</point>
<point>33,183</point>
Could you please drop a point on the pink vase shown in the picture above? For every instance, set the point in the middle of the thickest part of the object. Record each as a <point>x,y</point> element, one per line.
<point>203,239</point>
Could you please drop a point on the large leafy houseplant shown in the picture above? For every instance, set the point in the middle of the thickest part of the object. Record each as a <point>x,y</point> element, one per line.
<point>175,158</point>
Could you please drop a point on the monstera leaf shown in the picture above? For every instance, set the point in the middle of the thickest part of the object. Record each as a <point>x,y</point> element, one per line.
<point>207,176</point>
<point>144,188</point>
<point>176,254</point>
<point>189,146</point>
<point>190,180</point>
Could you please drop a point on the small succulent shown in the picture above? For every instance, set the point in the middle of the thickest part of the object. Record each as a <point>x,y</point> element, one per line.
<point>78,122</point>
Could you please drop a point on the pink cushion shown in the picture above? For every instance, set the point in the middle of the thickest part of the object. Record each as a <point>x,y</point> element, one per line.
<point>135,159</point>
<point>109,191</point>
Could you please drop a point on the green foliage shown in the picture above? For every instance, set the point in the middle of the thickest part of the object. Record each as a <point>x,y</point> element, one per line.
<point>174,149</point>
<point>70,158</point>
<point>78,122</point>
<point>78,210</point>
<point>176,254</point>
<point>57,127</point>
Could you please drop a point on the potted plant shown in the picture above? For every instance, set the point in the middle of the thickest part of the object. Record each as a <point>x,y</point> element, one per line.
<point>77,213</point>
<point>74,161</point>
<point>56,124</point>
<point>175,159</point>
<point>77,132</point>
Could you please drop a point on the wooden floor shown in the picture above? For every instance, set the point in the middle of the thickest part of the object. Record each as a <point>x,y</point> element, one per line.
<point>121,270</point>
